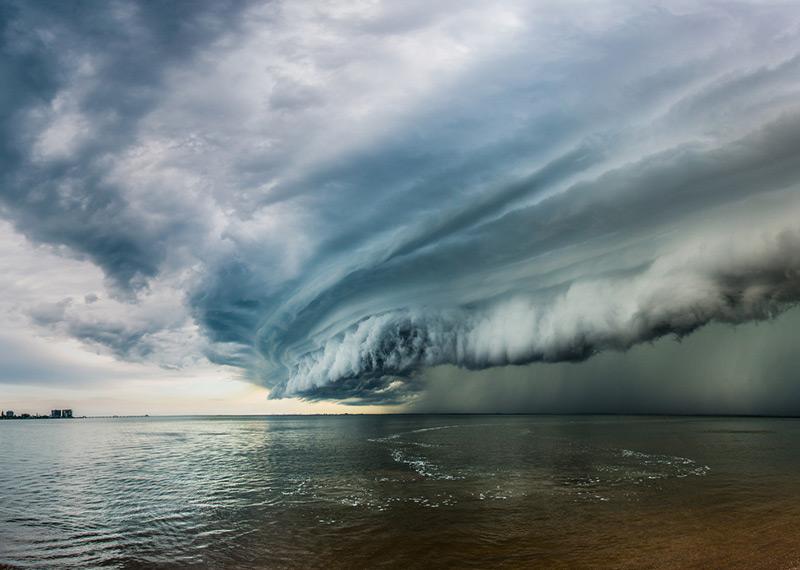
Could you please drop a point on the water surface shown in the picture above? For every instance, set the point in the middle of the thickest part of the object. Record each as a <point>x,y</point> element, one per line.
<point>400,491</point>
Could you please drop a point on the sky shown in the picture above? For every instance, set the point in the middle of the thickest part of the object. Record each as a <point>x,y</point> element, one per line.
<point>361,206</point>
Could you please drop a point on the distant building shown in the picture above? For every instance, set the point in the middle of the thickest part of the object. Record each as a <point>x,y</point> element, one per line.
<point>66,413</point>
<point>9,413</point>
<point>55,413</point>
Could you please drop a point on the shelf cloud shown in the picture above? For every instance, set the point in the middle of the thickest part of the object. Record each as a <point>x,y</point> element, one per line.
<point>331,198</point>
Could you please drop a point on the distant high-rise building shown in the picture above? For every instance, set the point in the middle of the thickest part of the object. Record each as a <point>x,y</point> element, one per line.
<point>9,413</point>
<point>66,413</point>
<point>55,413</point>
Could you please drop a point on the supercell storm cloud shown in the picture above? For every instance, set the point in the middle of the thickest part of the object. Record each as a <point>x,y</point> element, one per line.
<point>333,197</point>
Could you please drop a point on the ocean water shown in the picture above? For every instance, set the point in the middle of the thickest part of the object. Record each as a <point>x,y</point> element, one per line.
<point>400,491</point>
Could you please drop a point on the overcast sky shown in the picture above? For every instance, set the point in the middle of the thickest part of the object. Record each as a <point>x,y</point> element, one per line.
<point>506,206</point>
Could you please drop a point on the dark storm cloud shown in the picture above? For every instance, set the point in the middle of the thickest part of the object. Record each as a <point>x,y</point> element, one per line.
<point>102,63</point>
<point>721,369</point>
<point>344,196</point>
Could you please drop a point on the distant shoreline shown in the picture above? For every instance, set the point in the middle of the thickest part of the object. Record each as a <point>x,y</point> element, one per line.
<point>411,414</point>
<point>37,417</point>
<point>26,417</point>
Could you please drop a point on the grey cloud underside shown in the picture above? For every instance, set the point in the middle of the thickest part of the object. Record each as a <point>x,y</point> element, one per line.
<point>342,206</point>
<point>721,369</point>
<point>70,200</point>
<point>515,276</point>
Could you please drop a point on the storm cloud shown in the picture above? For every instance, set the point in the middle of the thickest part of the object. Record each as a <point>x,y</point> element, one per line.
<point>333,198</point>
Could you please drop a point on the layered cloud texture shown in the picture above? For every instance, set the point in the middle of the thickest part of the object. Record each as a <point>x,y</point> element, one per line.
<point>332,197</point>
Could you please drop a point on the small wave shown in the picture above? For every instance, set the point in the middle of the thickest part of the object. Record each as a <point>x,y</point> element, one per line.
<point>396,436</point>
<point>495,494</point>
<point>679,466</point>
<point>422,466</point>
<point>421,430</point>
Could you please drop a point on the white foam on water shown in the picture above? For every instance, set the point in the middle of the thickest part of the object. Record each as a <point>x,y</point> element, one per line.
<point>421,466</point>
<point>667,465</point>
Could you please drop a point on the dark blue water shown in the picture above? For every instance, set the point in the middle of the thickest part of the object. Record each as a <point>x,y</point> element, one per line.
<point>400,491</point>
